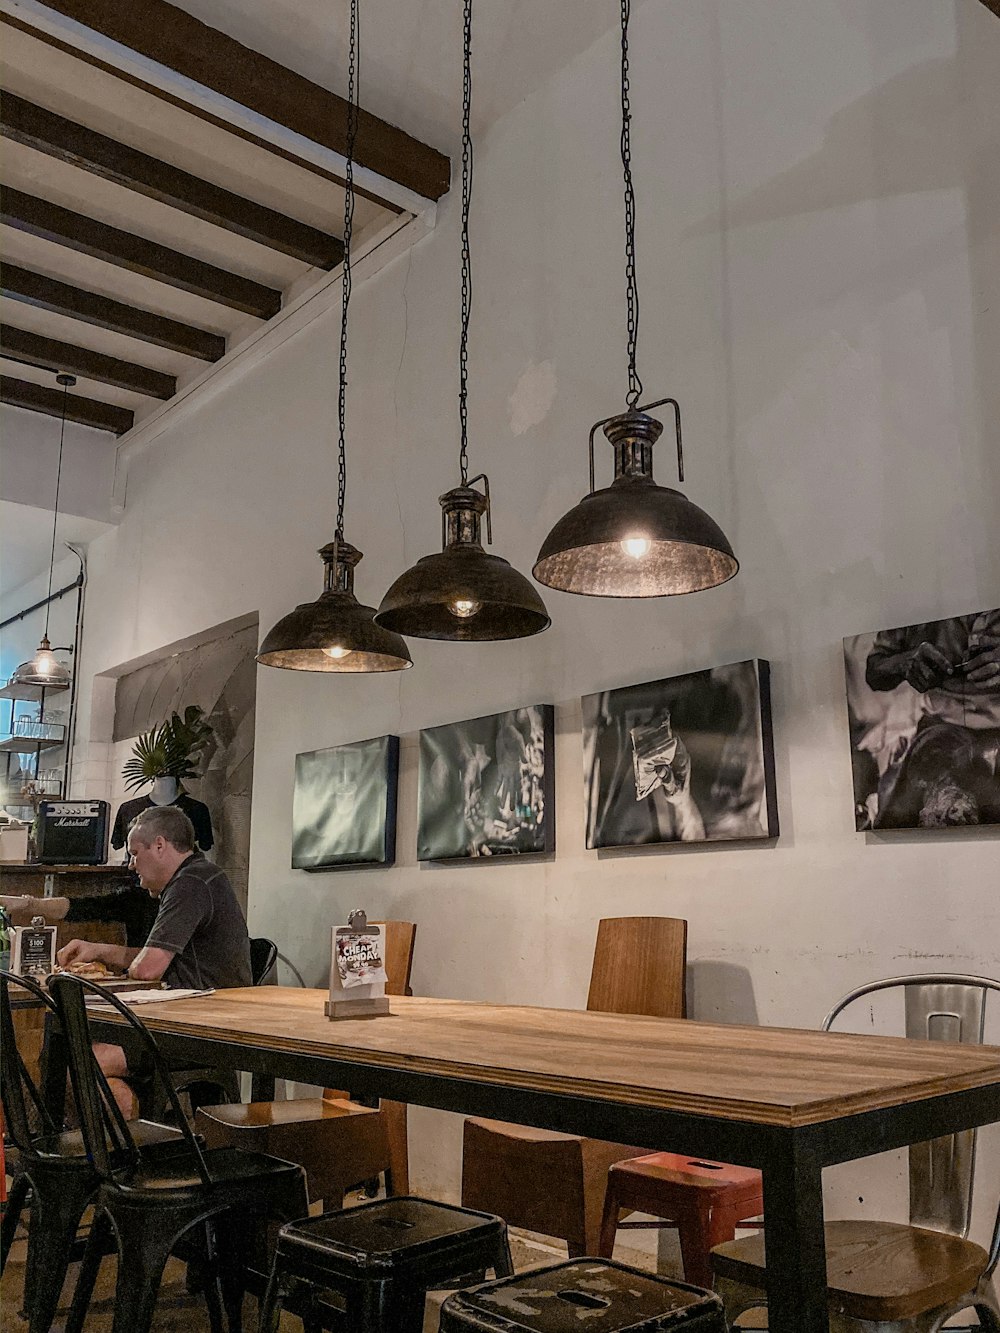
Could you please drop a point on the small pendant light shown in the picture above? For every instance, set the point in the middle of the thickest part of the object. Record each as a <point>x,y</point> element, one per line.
<point>463,593</point>
<point>44,671</point>
<point>634,538</point>
<point>336,632</point>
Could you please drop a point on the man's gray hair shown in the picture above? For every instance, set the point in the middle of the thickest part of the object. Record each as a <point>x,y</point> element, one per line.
<point>167,822</point>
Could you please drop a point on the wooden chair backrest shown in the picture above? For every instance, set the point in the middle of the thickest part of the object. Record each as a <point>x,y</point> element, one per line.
<point>639,966</point>
<point>399,937</point>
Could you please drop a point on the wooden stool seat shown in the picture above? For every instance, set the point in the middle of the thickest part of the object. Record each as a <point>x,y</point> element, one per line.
<point>585,1294</point>
<point>704,1200</point>
<point>882,1271</point>
<point>537,1179</point>
<point>262,1115</point>
<point>339,1143</point>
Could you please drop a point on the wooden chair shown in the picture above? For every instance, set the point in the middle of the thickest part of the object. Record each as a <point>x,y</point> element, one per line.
<point>339,1143</point>
<point>554,1183</point>
<point>886,1277</point>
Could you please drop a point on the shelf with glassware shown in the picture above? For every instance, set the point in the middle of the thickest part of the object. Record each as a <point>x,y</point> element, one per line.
<point>29,735</point>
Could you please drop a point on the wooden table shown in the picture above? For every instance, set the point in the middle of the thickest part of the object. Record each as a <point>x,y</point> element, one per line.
<point>786,1101</point>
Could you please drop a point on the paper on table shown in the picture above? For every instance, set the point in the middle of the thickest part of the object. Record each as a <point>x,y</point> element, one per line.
<point>151,996</point>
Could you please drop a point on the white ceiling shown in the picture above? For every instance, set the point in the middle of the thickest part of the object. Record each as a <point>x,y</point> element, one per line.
<point>26,540</point>
<point>411,51</point>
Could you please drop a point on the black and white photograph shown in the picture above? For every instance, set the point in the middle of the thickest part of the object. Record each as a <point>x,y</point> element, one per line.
<point>923,705</point>
<point>685,759</point>
<point>486,786</point>
<point>344,806</point>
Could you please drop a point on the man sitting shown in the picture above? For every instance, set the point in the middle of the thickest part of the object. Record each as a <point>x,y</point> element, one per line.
<point>199,938</point>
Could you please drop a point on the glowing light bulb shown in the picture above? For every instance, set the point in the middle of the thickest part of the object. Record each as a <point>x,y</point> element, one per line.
<point>464,607</point>
<point>337,652</point>
<point>45,663</point>
<point>636,547</point>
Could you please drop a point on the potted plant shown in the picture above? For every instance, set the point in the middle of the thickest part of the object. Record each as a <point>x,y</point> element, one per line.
<point>168,753</point>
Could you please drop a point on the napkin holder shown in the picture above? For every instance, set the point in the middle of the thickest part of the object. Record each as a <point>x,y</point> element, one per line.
<point>357,970</point>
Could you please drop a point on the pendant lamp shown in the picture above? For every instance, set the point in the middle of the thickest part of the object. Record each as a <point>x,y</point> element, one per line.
<point>464,593</point>
<point>634,538</point>
<point>336,632</point>
<point>44,670</point>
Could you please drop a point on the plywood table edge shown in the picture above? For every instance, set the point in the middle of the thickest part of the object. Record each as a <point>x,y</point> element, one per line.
<point>822,1110</point>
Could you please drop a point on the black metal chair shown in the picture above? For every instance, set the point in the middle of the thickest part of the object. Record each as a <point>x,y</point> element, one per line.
<point>148,1204</point>
<point>263,956</point>
<point>54,1176</point>
<point>598,1295</point>
<point>380,1260</point>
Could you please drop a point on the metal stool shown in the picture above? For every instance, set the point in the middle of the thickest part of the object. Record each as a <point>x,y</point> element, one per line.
<point>593,1294</point>
<point>380,1259</point>
<point>705,1200</point>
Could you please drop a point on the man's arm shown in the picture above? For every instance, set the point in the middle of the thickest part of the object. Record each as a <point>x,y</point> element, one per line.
<point>148,964</point>
<point>924,667</point>
<point>119,956</point>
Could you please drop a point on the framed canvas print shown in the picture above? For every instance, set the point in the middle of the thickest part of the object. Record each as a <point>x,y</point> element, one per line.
<point>923,705</point>
<point>344,805</point>
<point>486,786</point>
<point>685,759</point>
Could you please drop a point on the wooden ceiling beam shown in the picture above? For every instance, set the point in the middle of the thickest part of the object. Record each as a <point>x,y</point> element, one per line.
<point>63,139</point>
<point>85,411</point>
<point>177,40</point>
<point>51,222</point>
<point>32,349</point>
<point>21,284</point>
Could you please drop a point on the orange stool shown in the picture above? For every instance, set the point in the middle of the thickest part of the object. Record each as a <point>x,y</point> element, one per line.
<point>703,1200</point>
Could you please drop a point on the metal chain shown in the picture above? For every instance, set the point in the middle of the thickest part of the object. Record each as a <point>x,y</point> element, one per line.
<point>631,286</point>
<point>352,133</point>
<point>55,514</point>
<point>463,355</point>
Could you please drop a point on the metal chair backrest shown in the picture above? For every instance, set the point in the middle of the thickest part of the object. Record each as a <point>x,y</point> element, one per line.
<point>939,1006</point>
<point>263,956</point>
<point>639,966</point>
<point>112,1150</point>
<point>25,1114</point>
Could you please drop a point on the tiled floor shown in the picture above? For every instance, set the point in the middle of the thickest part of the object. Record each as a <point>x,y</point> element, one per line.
<point>178,1312</point>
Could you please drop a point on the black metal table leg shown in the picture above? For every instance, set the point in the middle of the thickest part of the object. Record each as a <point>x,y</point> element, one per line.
<point>796,1249</point>
<point>262,1088</point>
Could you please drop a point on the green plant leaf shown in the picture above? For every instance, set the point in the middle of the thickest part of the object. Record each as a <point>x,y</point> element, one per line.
<point>170,750</point>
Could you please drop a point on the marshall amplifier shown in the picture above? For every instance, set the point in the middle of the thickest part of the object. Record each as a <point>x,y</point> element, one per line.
<point>73,833</point>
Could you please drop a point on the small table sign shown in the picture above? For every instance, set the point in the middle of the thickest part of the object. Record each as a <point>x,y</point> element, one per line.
<point>357,970</point>
<point>33,949</point>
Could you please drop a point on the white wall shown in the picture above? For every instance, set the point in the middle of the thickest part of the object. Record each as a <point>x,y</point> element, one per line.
<point>30,450</point>
<point>817,247</point>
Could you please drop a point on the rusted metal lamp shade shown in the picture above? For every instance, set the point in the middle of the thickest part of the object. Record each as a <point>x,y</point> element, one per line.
<point>334,633</point>
<point>635,538</point>
<point>463,593</point>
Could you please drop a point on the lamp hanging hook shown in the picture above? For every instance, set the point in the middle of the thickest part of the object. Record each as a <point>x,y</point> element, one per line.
<point>489,508</point>
<point>648,407</point>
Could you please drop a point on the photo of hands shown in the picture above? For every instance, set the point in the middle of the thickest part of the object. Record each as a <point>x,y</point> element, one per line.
<point>924,710</point>
<point>686,759</point>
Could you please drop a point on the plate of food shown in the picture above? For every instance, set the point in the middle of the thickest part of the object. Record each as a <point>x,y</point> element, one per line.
<point>104,976</point>
<point>94,970</point>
